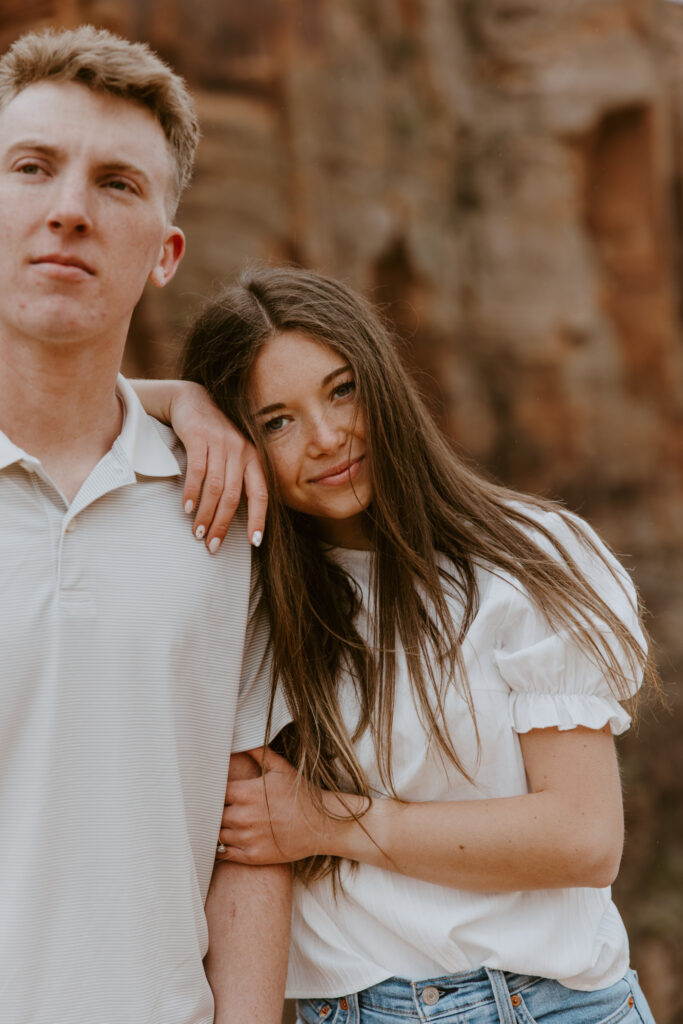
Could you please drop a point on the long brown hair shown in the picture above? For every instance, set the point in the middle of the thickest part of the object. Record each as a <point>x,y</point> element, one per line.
<point>427,503</point>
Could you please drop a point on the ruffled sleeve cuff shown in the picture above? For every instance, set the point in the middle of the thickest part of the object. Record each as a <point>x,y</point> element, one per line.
<point>566,711</point>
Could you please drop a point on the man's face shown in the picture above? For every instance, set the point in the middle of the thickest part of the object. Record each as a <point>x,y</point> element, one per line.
<point>84,184</point>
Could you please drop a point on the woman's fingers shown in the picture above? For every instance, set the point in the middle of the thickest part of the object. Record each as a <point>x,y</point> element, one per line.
<point>196,470</point>
<point>248,842</point>
<point>222,505</point>
<point>241,855</point>
<point>256,491</point>
<point>213,487</point>
<point>228,473</point>
<point>221,465</point>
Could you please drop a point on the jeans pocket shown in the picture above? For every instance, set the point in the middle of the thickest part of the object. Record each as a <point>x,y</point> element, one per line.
<point>548,1002</point>
<point>316,1011</point>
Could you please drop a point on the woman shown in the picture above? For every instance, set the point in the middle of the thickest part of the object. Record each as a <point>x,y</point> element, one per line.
<point>455,656</point>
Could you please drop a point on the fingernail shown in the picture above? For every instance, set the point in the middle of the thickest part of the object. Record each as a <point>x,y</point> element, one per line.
<point>199,532</point>
<point>214,545</point>
<point>189,505</point>
<point>256,538</point>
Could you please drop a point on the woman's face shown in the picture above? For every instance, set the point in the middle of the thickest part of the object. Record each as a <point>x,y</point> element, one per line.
<point>302,396</point>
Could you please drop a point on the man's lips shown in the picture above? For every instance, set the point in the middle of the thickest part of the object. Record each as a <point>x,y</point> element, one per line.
<point>340,473</point>
<point>63,265</point>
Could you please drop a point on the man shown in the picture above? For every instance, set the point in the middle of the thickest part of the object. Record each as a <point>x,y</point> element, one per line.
<point>131,663</point>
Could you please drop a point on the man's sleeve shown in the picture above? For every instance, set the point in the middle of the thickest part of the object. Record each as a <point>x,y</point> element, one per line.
<point>256,683</point>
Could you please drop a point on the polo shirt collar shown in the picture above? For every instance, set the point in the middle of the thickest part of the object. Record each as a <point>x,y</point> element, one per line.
<point>140,440</point>
<point>9,452</point>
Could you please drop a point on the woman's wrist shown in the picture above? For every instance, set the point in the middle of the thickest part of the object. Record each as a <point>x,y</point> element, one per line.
<point>351,837</point>
<point>157,396</point>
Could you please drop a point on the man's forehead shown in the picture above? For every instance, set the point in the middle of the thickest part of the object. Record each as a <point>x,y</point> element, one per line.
<point>59,112</point>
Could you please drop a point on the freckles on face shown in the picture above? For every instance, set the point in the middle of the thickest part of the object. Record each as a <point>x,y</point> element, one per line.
<point>303,398</point>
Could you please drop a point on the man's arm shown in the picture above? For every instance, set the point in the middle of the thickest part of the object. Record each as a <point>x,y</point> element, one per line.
<point>248,913</point>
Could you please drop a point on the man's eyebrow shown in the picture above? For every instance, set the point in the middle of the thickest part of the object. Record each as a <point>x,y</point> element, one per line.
<point>121,167</point>
<point>35,145</point>
<point>110,166</point>
<point>326,380</point>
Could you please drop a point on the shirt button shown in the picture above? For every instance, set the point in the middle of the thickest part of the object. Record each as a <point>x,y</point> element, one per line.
<point>430,995</point>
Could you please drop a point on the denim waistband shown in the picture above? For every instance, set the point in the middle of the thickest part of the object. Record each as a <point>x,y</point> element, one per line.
<point>467,988</point>
<point>481,996</point>
<point>483,989</point>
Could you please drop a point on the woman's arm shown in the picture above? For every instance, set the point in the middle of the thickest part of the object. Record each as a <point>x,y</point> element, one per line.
<point>220,460</point>
<point>248,913</point>
<point>567,831</point>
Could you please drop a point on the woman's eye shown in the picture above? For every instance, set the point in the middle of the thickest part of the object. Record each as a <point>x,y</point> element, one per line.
<point>272,426</point>
<point>345,389</point>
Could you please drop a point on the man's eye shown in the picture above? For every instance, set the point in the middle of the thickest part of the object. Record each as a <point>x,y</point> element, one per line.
<point>29,169</point>
<point>119,186</point>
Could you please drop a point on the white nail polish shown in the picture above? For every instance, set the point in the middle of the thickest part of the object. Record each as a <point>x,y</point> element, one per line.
<point>256,538</point>
<point>199,532</point>
<point>189,505</point>
<point>214,545</point>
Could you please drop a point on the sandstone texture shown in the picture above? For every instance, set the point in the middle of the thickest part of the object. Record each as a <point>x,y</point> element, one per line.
<point>505,178</point>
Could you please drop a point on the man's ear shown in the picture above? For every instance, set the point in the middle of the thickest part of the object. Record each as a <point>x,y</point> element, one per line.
<point>169,257</point>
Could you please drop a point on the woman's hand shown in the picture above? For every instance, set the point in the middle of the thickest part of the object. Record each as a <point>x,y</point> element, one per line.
<point>220,460</point>
<point>566,831</point>
<point>271,819</point>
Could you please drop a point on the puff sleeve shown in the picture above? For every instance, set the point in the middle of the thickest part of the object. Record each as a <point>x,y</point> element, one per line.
<point>552,681</point>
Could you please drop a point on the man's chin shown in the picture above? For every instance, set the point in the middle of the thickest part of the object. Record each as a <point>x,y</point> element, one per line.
<point>59,322</point>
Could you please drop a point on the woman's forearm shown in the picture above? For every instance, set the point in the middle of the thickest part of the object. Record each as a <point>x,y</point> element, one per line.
<point>157,396</point>
<point>515,843</point>
<point>567,832</point>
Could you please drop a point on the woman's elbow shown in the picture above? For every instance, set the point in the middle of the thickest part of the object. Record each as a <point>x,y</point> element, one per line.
<point>595,863</point>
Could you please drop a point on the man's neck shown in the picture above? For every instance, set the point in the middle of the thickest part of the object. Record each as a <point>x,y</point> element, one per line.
<point>61,407</point>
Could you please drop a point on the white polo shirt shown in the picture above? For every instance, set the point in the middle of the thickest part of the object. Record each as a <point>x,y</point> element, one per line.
<point>131,664</point>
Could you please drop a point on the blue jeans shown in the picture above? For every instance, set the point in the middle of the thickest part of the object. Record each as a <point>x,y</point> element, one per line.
<point>482,996</point>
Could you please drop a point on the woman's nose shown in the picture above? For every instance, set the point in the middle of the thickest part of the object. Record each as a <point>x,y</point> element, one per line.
<point>328,434</point>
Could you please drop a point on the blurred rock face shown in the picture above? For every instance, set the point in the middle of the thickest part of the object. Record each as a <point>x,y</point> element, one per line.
<point>506,180</point>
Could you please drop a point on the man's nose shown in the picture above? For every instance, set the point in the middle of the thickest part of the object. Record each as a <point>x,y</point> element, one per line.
<point>69,209</point>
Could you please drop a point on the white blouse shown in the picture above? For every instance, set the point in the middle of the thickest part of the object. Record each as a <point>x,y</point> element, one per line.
<point>523,675</point>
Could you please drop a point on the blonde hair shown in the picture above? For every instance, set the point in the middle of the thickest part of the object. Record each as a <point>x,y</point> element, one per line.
<point>107,63</point>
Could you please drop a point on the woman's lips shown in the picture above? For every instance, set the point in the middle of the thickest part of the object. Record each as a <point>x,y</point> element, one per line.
<point>339,474</point>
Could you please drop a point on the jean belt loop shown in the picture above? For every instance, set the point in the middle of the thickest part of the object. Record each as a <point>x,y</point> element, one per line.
<point>501,994</point>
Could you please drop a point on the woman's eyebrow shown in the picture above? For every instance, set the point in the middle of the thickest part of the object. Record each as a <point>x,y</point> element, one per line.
<point>335,373</point>
<point>326,380</point>
<point>270,408</point>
